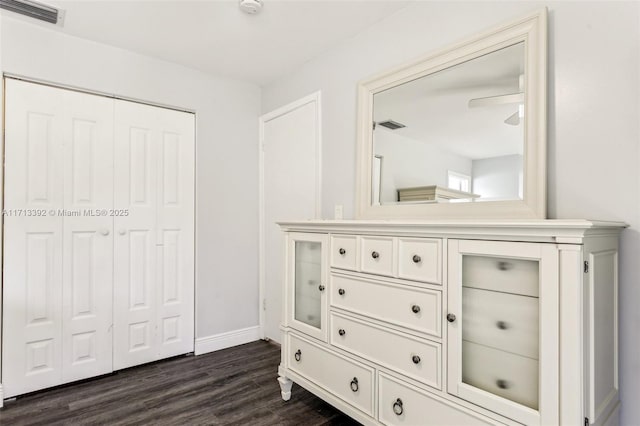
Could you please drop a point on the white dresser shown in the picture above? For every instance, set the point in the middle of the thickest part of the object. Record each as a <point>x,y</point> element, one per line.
<point>454,323</point>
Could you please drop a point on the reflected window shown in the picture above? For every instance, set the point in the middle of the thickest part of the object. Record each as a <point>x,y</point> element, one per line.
<point>459,181</point>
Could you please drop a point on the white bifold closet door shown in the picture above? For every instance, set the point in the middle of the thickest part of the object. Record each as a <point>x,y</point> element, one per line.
<point>57,300</point>
<point>79,299</point>
<point>154,244</point>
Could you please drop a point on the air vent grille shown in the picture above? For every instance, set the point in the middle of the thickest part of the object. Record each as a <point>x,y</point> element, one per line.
<point>390,124</point>
<point>32,10</point>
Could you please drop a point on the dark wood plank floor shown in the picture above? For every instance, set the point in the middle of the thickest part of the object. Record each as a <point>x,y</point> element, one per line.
<point>235,386</point>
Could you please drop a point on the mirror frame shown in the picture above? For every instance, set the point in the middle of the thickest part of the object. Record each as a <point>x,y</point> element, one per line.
<point>530,29</point>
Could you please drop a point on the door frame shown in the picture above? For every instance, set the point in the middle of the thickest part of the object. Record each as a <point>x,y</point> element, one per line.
<point>262,120</point>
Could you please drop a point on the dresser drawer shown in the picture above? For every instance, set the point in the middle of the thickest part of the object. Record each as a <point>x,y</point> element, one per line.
<point>417,309</point>
<point>501,373</point>
<point>343,252</point>
<point>416,358</point>
<point>420,259</point>
<point>501,320</point>
<point>402,404</point>
<point>347,379</point>
<point>376,255</point>
<point>516,276</point>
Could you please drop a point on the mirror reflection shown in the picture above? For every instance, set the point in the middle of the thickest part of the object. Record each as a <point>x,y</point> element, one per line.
<point>456,135</point>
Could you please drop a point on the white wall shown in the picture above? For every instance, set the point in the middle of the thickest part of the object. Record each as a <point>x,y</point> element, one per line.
<point>498,177</point>
<point>594,92</point>
<point>409,162</point>
<point>227,157</point>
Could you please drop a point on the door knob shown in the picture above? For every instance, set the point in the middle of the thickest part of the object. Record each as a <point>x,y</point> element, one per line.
<point>122,231</point>
<point>451,317</point>
<point>105,232</point>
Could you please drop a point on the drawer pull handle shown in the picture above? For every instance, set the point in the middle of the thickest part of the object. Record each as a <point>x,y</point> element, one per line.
<point>415,359</point>
<point>397,407</point>
<point>341,292</point>
<point>354,385</point>
<point>416,258</point>
<point>415,309</point>
<point>502,384</point>
<point>504,266</point>
<point>298,355</point>
<point>342,332</point>
<point>502,325</point>
<point>375,254</point>
<point>342,251</point>
<point>451,317</point>
<point>321,287</point>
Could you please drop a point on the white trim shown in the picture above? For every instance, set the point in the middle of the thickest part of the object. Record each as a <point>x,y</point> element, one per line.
<point>314,97</point>
<point>2,124</point>
<point>94,92</point>
<point>226,340</point>
<point>195,226</point>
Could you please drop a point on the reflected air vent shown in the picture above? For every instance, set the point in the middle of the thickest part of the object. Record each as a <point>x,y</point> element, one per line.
<point>34,10</point>
<point>390,124</point>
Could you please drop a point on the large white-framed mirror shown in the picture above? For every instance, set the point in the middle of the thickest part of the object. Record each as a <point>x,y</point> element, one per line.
<point>461,133</point>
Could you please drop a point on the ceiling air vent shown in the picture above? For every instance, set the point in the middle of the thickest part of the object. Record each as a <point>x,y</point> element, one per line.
<point>390,124</point>
<point>34,10</point>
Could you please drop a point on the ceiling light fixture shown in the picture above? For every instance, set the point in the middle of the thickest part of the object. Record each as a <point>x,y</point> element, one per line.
<point>251,7</point>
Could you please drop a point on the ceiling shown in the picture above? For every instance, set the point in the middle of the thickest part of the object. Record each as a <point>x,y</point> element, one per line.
<point>218,38</point>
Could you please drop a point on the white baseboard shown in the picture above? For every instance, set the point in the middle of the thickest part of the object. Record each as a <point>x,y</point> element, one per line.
<point>226,340</point>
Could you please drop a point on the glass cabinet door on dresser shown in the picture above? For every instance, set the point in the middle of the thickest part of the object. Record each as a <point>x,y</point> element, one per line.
<point>503,327</point>
<point>306,274</point>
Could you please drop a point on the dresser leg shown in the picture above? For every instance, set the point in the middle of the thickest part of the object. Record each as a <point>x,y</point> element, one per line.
<point>285,387</point>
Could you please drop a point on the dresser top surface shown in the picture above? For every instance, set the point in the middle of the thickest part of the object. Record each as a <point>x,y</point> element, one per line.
<point>552,230</point>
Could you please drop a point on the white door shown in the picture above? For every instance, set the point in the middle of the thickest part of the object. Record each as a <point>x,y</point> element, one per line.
<point>176,233</point>
<point>87,245</point>
<point>306,277</point>
<point>154,250</point>
<point>290,179</point>
<point>67,237</point>
<point>57,271</point>
<point>502,327</point>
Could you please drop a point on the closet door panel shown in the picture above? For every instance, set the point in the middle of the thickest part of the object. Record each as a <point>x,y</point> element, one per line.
<point>88,236</point>
<point>135,273</point>
<point>176,233</point>
<point>32,290</point>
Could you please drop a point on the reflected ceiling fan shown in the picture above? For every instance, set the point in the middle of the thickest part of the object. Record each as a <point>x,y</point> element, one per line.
<point>510,98</point>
